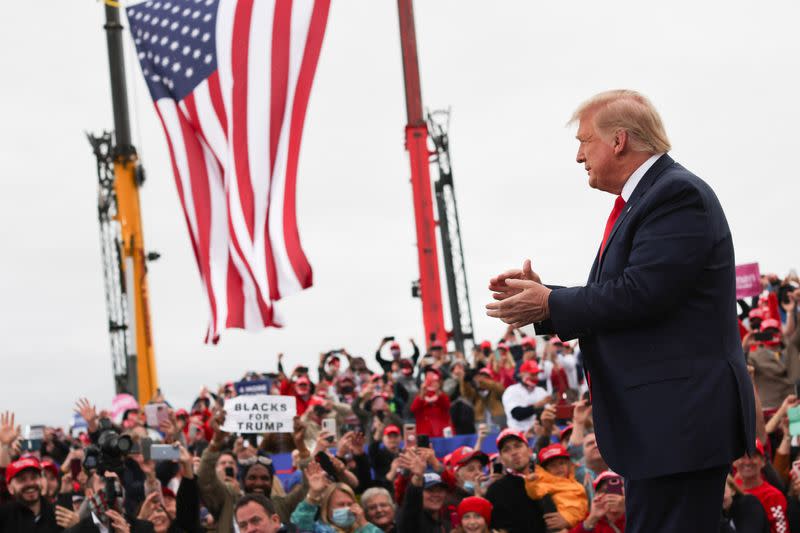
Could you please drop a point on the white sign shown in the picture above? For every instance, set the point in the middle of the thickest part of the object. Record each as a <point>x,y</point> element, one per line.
<point>259,413</point>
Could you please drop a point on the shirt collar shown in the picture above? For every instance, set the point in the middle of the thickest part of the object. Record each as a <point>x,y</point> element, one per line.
<point>100,526</point>
<point>636,177</point>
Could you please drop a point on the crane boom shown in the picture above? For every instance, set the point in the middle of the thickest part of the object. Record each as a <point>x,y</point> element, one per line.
<point>121,235</point>
<point>419,156</point>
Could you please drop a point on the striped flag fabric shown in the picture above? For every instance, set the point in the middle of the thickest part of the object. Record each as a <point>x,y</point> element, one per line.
<point>231,80</point>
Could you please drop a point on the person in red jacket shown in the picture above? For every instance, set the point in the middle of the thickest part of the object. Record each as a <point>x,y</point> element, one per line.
<point>749,478</point>
<point>300,388</point>
<point>431,408</point>
<point>607,514</point>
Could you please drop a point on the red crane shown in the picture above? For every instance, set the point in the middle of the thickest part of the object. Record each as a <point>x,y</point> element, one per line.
<point>430,290</point>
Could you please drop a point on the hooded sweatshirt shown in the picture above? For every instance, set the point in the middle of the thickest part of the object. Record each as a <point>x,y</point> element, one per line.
<point>568,495</point>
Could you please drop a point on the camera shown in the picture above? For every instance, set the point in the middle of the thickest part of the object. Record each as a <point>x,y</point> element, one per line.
<point>109,452</point>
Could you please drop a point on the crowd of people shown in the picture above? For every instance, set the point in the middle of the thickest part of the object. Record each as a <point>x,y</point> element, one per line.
<point>364,447</point>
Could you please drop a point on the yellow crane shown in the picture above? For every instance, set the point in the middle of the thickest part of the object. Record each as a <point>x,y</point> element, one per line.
<point>120,176</point>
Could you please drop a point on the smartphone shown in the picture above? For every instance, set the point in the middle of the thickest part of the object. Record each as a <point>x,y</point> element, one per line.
<point>329,425</point>
<point>388,339</point>
<point>155,413</point>
<point>497,468</point>
<point>423,441</point>
<point>762,336</point>
<point>565,411</point>
<point>410,435</point>
<point>74,469</point>
<point>164,452</point>
<point>30,445</point>
<point>614,486</point>
<point>797,388</point>
<point>326,464</point>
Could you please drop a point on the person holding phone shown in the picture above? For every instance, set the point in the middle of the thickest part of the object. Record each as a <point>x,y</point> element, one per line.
<point>607,514</point>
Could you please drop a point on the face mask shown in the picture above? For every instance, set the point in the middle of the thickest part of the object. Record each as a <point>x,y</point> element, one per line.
<point>396,354</point>
<point>469,487</point>
<point>343,517</point>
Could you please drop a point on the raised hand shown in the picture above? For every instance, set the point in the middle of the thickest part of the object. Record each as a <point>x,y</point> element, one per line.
<point>118,522</point>
<point>583,411</point>
<point>217,421</point>
<point>8,431</point>
<point>358,512</point>
<point>88,412</point>
<point>66,518</point>
<point>317,480</point>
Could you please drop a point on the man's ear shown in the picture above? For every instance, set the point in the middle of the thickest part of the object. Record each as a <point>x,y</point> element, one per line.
<point>620,141</point>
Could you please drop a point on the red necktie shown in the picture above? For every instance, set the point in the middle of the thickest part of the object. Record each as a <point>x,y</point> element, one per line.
<point>619,205</point>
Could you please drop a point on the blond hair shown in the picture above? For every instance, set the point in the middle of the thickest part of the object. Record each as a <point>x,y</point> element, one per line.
<point>627,110</point>
<point>326,502</point>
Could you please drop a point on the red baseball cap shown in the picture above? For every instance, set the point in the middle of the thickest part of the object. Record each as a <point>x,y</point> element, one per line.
<point>502,346</point>
<point>770,323</point>
<point>475,504</point>
<point>394,346</point>
<point>756,313</point>
<point>25,463</point>
<point>436,345</point>
<point>389,430</point>
<point>486,372</point>
<point>565,432</point>
<point>486,344</point>
<point>509,433</point>
<point>529,341</point>
<point>608,474</point>
<point>551,452</point>
<point>465,454</point>
<point>530,366</point>
<point>51,466</point>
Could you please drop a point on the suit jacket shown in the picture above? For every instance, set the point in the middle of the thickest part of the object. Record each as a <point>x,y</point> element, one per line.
<point>658,331</point>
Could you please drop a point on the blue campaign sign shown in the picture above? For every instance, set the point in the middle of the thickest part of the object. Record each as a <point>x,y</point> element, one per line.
<point>260,386</point>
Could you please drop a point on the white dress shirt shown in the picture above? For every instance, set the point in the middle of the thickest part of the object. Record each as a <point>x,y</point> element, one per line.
<point>637,176</point>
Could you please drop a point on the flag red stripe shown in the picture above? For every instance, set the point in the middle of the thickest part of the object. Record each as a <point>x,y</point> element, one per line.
<point>215,91</point>
<point>316,31</point>
<point>240,49</point>
<point>235,297</point>
<point>264,309</point>
<point>199,176</point>
<point>279,74</point>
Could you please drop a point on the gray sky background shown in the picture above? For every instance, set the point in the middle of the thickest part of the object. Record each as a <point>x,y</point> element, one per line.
<point>724,76</point>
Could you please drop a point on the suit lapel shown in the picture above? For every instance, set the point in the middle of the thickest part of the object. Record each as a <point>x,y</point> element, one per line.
<point>647,180</point>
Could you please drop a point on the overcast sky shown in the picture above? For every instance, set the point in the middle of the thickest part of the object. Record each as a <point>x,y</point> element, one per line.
<point>724,76</point>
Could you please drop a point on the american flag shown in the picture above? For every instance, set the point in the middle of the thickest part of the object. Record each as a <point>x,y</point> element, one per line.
<point>231,80</point>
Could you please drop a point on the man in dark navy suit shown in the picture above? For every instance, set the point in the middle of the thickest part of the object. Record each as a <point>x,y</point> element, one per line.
<point>673,402</point>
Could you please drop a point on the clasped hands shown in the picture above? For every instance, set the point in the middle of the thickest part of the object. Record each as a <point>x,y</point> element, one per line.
<point>521,297</point>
